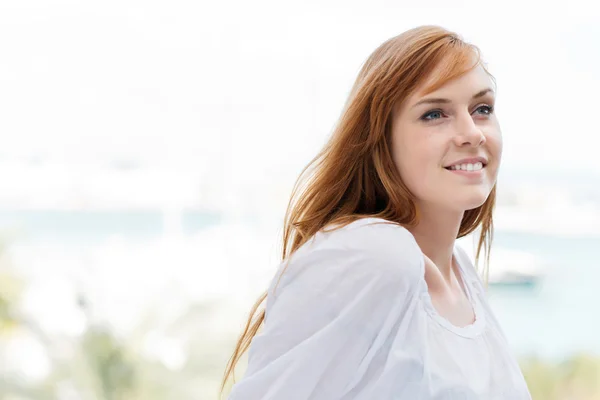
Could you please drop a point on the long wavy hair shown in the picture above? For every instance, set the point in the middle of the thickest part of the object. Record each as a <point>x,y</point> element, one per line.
<point>354,175</point>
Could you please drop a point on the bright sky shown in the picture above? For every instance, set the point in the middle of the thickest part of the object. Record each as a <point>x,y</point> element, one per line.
<point>259,85</point>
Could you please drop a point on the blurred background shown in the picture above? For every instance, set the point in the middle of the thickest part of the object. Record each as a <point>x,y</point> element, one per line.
<point>148,150</point>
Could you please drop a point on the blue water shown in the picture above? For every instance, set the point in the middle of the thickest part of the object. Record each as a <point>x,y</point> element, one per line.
<point>92,226</point>
<point>556,318</point>
<point>561,315</point>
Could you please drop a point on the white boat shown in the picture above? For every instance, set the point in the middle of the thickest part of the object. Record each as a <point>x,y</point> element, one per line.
<point>509,267</point>
<point>514,268</point>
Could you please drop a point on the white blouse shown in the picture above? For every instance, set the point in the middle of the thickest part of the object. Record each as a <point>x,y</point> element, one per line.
<point>351,318</point>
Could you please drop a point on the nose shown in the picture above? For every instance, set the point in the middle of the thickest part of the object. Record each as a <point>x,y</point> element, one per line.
<point>468,133</point>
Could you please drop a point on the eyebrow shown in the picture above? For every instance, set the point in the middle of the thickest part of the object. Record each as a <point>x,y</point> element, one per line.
<point>477,95</point>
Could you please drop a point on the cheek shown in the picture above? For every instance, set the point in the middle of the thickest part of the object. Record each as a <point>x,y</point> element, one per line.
<point>495,153</point>
<point>416,164</point>
<point>494,142</point>
<point>500,145</point>
<point>494,146</point>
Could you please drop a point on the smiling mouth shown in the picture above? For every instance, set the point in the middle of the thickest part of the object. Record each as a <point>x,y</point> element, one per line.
<point>467,167</point>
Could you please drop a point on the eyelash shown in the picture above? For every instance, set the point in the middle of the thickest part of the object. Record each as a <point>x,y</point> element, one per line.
<point>424,117</point>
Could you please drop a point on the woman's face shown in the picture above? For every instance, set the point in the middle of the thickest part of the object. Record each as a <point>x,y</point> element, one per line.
<point>447,144</point>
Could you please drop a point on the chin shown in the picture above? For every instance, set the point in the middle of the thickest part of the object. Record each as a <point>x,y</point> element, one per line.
<point>468,201</point>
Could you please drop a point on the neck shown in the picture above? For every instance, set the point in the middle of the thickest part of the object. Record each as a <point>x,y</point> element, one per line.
<point>436,234</point>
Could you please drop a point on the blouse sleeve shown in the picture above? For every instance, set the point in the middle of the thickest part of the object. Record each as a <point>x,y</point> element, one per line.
<point>340,295</point>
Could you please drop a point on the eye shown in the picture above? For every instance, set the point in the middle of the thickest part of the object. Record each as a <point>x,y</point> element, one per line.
<point>432,115</point>
<point>488,109</point>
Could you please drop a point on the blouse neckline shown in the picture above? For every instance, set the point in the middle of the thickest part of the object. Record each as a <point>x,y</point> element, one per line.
<point>468,331</point>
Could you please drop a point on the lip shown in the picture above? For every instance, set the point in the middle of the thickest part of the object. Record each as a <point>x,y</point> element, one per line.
<point>477,176</point>
<point>471,160</point>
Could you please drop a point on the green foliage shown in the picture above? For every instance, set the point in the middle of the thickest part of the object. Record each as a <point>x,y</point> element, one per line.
<point>109,362</point>
<point>576,378</point>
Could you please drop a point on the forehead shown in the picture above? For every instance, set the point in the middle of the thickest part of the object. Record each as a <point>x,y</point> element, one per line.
<point>466,84</point>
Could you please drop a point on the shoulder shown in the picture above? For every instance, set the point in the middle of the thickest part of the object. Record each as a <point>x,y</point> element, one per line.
<point>369,249</point>
<point>368,264</point>
<point>373,237</point>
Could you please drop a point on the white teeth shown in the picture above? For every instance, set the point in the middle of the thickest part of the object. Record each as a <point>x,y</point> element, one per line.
<point>468,167</point>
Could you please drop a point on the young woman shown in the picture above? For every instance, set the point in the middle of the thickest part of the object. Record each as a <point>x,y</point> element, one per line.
<point>374,299</point>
